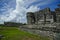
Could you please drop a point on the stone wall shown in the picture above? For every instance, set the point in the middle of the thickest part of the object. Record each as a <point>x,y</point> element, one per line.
<point>34,29</point>
<point>38,29</point>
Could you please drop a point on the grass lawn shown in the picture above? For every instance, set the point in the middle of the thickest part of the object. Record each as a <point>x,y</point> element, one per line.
<point>12,33</point>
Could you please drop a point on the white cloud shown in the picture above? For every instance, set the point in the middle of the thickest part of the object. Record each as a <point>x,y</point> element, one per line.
<point>19,14</point>
<point>32,9</point>
<point>21,10</point>
<point>45,2</point>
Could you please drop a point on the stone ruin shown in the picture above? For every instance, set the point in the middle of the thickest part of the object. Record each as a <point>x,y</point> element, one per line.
<point>41,21</point>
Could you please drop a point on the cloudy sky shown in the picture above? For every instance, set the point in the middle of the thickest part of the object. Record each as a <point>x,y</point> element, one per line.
<point>15,10</point>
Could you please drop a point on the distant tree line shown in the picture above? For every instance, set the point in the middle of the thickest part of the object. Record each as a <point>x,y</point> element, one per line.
<point>12,24</point>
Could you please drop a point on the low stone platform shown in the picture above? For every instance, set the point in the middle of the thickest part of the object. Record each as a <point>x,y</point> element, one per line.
<point>43,30</point>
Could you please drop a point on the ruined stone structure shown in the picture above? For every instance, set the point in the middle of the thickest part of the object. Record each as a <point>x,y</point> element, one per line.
<point>48,23</point>
<point>31,18</point>
<point>43,16</point>
<point>57,10</point>
<point>47,20</point>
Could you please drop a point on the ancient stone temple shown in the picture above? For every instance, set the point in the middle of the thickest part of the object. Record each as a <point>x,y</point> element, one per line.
<point>49,22</point>
<point>41,17</point>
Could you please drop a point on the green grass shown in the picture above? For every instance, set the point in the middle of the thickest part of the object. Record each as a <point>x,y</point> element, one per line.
<point>12,33</point>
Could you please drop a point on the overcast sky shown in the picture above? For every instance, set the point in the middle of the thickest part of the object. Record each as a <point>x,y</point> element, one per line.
<point>15,10</point>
